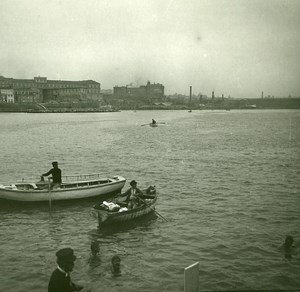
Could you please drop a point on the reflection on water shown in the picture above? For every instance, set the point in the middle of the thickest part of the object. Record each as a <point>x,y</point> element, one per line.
<point>228,184</point>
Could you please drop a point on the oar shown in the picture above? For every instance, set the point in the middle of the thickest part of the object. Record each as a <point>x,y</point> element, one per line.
<point>49,190</point>
<point>153,209</point>
<point>145,124</point>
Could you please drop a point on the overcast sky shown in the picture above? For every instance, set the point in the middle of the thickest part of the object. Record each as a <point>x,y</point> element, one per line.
<point>234,47</point>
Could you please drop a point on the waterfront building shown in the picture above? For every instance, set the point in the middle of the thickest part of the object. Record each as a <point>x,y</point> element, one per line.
<point>7,95</point>
<point>40,89</point>
<point>27,95</point>
<point>149,91</point>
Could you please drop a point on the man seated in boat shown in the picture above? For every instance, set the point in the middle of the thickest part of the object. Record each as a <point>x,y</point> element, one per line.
<point>133,195</point>
<point>56,175</point>
<point>153,122</point>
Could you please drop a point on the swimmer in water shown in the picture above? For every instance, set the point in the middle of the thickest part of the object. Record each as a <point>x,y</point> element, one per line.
<point>116,265</point>
<point>288,247</point>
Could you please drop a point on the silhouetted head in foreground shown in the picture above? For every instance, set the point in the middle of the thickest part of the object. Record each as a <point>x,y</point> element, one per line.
<point>66,259</point>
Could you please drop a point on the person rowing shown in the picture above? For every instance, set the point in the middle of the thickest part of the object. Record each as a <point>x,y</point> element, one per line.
<point>56,175</point>
<point>153,123</point>
<point>133,195</point>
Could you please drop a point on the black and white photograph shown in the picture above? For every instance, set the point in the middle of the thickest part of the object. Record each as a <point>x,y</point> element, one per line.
<point>149,145</point>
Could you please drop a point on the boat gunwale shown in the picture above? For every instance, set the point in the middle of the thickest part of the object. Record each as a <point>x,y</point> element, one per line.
<point>109,214</point>
<point>78,188</point>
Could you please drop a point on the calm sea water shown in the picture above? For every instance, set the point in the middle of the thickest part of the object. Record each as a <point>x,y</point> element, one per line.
<point>229,185</point>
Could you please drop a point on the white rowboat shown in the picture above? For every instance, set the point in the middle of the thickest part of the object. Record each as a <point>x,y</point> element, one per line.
<point>86,186</point>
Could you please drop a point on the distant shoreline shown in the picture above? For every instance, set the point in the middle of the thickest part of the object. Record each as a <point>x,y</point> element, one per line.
<point>259,104</point>
<point>157,109</point>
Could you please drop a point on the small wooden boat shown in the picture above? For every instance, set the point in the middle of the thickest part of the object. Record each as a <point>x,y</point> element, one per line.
<point>80,187</point>
<point>154,124</point>
<point>122,214</point>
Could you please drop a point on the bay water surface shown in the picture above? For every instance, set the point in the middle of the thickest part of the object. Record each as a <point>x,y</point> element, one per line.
<point>228,184</point>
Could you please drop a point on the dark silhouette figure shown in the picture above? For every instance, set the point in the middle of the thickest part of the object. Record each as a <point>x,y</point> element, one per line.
<point>153,121</point>
<point>60,280</point>
<point>56,174</point>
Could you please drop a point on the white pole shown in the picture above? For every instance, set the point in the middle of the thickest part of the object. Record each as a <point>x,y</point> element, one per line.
<point>191,278</point>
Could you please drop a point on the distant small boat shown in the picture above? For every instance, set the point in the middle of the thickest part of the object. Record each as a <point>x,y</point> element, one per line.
<point>105,217</point>
<point>86,186</point>
<point>153,125</point>
<point>250,106</point>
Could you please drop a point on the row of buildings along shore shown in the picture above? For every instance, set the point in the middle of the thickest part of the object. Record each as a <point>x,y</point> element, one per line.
<point>42,90</point>
<point>42,94</point>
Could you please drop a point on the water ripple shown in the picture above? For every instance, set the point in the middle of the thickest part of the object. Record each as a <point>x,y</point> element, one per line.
<point>228,185</point>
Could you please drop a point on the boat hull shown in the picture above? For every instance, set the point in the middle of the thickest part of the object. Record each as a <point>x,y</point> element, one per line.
<point>69,191</point>
<point>104,217</point>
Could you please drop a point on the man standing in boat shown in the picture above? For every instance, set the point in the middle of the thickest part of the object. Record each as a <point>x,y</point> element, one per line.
<point>133,195</point>
<point>56,175</point>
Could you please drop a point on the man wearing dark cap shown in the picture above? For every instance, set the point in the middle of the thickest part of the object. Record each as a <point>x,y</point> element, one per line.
<point>60,280</point>
<point>56,174</point>
<point>133,195</point>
